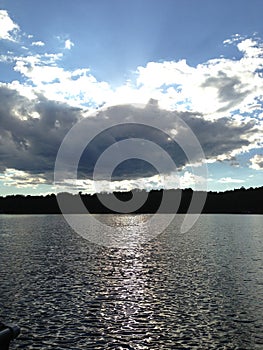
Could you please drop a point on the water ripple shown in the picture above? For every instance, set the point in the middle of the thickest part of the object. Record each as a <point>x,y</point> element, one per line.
<point>202,290</point>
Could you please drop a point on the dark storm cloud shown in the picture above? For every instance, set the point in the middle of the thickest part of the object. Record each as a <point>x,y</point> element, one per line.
<point>221,136</point>
<point>217,138</point>
<point>28,143</point>
<point>230,89</point>
<point>31,144</point>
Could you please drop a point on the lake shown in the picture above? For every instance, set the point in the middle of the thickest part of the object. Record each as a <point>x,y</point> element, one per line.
<point>199,290</point>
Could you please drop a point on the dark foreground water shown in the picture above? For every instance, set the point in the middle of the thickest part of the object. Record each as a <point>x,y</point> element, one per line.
<point>200,290</point>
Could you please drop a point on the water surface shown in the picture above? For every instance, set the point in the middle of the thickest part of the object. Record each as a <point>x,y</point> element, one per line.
<point>200,290</point>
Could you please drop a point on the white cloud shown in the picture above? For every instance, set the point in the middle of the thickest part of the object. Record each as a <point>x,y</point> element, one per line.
<point>234,38</point>
<point>215,88</point>
<point>39,74</point>
<point>25,91</point>
<point>189,179</point>
<point>20,179</point>
<point>90,186</point>
<point>156,182</point>
<point>38,43</point>
<point>8,28</point>
<point>257,162</point>
<point>250,48</point>
<point>68,44</point>
<point>77,87</point>
<point>226,180</point>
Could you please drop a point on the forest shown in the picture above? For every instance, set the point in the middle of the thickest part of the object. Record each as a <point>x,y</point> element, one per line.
<point>237,201</point>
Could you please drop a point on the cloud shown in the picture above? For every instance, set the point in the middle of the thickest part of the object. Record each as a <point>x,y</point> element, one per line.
<point>218,86</point>
<point>155,182</point>
<point>32,68</point>
<point>38,43</point>
<point>234,38</point>
<point>227,180</point>
<point>77,87</point>
<point>250,48</point>
<point>68,44</point>
<point>8,28</point>
<point>220,100</point>
<point>20,179</point>
<point>257,162</point>
<point>189,180</point>
<point>220,139</point>
<point>32,131</point>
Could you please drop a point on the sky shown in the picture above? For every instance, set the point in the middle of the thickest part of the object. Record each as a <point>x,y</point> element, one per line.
<point>182,77</point>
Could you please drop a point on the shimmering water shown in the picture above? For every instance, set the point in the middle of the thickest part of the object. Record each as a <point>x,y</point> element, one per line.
<point>200,290</point>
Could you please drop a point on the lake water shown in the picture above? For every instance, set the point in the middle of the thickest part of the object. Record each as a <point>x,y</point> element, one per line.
<point>199,290</point>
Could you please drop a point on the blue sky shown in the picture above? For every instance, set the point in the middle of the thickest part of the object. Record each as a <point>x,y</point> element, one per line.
<point>64,58</point>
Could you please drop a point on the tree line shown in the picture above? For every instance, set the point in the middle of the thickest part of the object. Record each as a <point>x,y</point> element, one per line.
<point>244,201</point>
